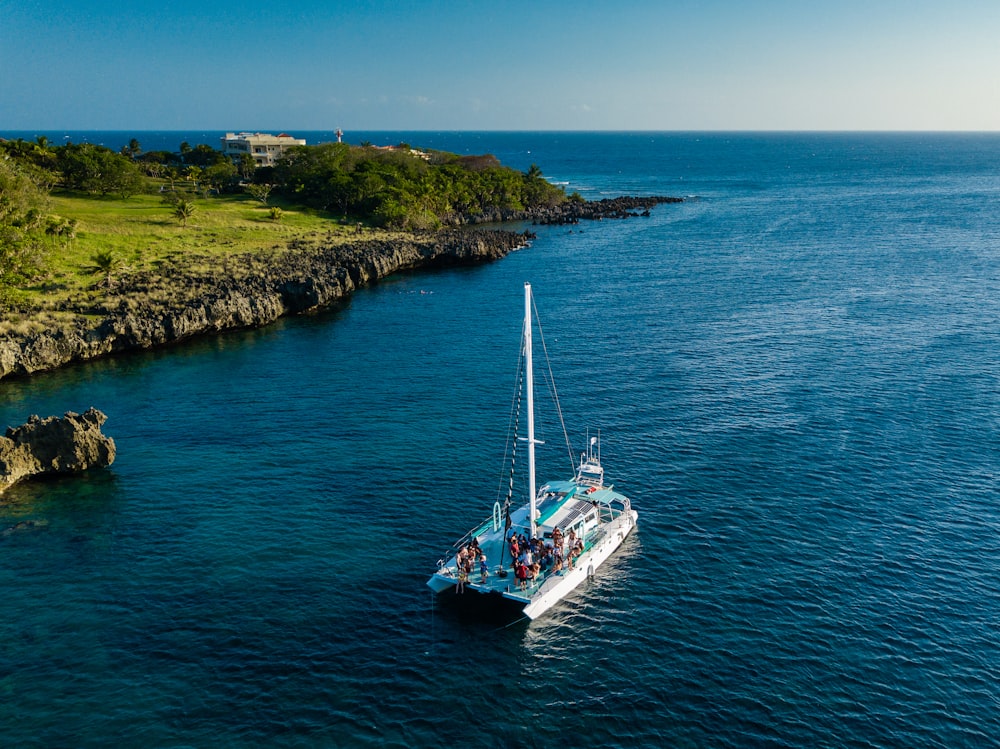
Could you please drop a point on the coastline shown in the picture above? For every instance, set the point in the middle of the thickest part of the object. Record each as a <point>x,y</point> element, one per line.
<point>243,292</point>
<point>147,310</point>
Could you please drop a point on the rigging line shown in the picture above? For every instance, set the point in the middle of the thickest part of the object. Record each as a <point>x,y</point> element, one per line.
<point>552,385</point>
<point>510,448</point>
<point>508,626</point>
<point>513,454</point>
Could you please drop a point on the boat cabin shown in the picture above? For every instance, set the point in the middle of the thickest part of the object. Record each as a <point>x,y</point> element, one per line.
<point>562,505</point>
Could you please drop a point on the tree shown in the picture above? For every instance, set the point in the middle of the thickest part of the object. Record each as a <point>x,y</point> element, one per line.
<point>201,155</point>
<point>260,192</point>
<point>183,211</point>
<point>192,174</point>
<point>59,228</point>
<point>125,180</point>
<point>246,165</point>
<point>397,187</point>
<point>97,169</point>
<point>154,163</point>
<point>21,221</point>
<point>132,150</point>
<point>107,264</point>
<point>172,173</point>
<point>220,176</point>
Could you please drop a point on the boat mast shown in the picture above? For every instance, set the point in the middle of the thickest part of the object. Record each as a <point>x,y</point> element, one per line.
<point>531,404</point>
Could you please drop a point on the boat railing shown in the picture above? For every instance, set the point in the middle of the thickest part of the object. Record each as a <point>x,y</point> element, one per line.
<point>464,541</point>
<point>614,508</point>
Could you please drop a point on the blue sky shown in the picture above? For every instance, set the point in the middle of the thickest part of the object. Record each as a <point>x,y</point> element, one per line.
<point>458,65</point>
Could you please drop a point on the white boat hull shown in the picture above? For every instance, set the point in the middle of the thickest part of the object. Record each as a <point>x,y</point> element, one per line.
<point>555,588</point>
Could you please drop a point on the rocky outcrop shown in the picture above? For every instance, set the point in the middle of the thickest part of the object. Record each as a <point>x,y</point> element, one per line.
<point>55,445</point>
<point>247,292</point>
<point>571,212</point>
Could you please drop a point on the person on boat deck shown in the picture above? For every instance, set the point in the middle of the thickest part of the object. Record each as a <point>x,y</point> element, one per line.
<point>526,556</point>
<point>484,568</point>
<point>547,553</point>
<point>522,576</point>
<point>557,560</point>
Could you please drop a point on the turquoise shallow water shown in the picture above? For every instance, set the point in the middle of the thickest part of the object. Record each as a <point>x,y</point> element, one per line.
<point>796,378</point>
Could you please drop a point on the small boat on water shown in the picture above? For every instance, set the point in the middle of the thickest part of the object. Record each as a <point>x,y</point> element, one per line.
<point>533,555</point>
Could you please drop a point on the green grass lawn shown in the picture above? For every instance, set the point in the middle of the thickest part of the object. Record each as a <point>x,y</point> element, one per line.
<point>143,234</point>
<point>143,230</point>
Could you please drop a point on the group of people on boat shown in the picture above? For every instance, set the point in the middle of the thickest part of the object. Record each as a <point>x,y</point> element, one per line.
<point>465,562</point>
<point>530,558</point>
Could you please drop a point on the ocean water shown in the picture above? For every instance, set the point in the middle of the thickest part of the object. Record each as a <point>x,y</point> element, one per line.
<point>795,374</point>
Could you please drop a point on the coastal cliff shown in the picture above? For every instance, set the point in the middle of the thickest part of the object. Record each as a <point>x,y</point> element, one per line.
<point>54,445</point>
<point>192,296</point>
<point>177,302</point>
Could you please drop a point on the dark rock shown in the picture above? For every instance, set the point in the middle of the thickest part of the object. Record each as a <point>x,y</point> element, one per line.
<point>54,445</point>
<point>571,212</point>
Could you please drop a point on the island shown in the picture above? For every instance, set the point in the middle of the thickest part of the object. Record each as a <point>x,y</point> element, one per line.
<point>104,252</point>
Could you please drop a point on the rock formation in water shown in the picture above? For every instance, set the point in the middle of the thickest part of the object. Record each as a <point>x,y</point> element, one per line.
<point>572,211</point>
<point>55,445</point>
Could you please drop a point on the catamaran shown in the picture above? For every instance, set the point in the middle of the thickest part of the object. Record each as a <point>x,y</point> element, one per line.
<point>534,555</point>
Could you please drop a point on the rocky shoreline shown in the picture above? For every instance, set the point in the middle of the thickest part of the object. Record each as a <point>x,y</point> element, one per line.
<point>177,301</point>
<point>244,292</point>
<point>574,211</point>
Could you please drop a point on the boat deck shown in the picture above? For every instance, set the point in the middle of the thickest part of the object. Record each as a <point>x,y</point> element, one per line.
<point>563,505</point>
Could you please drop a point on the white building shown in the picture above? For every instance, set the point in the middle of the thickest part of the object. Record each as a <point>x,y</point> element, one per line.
<point>264,147</point>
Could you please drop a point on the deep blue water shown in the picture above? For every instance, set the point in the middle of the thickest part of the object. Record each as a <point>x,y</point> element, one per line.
<point>796,377</point>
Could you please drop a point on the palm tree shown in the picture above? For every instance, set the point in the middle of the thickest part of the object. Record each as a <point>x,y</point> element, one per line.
<point>107,264</point>
<point>193,174</point>
<point>184,210</point>
<point>60,228</point>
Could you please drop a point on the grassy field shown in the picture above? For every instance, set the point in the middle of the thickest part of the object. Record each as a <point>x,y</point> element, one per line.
<point>143,234</point>
<point>143,230</point>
